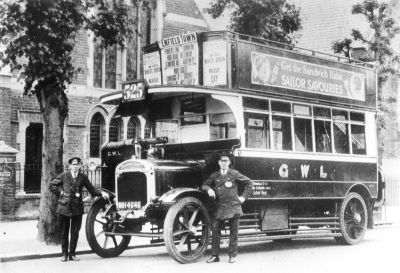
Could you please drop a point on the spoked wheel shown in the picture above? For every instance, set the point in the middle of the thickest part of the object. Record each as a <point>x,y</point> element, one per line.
<point>187,230</point>
<point>353,219</point>
<point>99,221</point>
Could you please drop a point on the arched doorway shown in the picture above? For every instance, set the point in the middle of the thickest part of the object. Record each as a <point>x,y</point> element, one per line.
<point>33,157</point>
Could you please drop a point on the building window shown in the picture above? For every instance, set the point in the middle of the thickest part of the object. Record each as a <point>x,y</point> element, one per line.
<point>96,134</point>
<point>105,66</point>
<point>115,130</point>
<point>132,129</point>
<point>147,130</point>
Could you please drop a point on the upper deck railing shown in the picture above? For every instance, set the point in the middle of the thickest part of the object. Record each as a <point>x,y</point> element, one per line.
<point>303,50</point>
<point>244,64</point>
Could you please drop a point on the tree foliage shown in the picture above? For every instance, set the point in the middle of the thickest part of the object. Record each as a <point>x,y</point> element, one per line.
<point>379,47</point>
<point>379,50</point>
<point>274,20</point>
<point>43,33</point>
<point>39,37</point>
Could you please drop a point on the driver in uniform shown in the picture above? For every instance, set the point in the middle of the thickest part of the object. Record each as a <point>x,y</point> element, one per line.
<point>222,186</point>
<point>68,186</point>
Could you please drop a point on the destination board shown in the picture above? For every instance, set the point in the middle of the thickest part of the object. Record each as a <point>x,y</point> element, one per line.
<point>180,59</point>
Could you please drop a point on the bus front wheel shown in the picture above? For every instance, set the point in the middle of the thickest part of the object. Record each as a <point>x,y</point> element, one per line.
<point>187,230</point>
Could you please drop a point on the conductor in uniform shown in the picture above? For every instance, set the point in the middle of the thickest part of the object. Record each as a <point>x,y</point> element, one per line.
<point>68,186</point>
<point>223,186</point>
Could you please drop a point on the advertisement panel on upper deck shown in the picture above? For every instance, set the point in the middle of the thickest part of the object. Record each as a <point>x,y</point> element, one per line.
<point>214,63</point>
<point>282,72</point>
<point>152,68</point>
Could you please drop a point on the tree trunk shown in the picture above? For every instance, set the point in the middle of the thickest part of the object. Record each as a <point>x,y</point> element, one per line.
<point>54,108</point>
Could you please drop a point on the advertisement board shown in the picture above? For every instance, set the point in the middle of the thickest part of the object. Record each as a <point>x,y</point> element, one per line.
<point>214,63</point>
<point>152,68</point>
<point>276,71</point>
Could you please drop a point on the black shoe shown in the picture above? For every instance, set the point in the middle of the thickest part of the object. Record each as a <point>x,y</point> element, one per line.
<point>64,258</point>
<point>232,259</point>
<point>213,259</point>
<point>74,258</point>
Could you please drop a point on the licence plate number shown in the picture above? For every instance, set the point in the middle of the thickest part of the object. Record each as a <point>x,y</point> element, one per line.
<point>129,205</point>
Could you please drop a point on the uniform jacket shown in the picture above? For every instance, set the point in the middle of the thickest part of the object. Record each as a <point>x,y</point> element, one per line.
<point>226,190</point>
<point>69,204</point>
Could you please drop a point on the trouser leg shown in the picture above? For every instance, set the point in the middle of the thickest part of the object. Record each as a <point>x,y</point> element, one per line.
<point>76,223</point>
<point>216,237</point>
<point>64,224</point>
<point>233,239</point>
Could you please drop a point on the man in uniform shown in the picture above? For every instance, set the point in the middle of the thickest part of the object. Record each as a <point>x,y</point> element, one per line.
<point>68,186</point>
<point>223,187</point>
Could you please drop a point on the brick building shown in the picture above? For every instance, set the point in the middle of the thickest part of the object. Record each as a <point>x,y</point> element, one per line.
<point>89,123</point>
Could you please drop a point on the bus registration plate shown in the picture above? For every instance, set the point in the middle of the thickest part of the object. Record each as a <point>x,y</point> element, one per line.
<point>129,205</point>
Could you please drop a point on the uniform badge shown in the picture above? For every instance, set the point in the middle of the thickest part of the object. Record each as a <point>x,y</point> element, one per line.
<point>228,184</point>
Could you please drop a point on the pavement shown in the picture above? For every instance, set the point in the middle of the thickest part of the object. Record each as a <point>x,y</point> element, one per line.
<point>18,242</point>
<point>18,239</point>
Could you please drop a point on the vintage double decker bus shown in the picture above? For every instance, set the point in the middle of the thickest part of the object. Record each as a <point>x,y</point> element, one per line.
<point>301,125</point>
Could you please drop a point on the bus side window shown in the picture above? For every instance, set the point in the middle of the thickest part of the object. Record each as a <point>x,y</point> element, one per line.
<point>303,135</point>
<point>323,136</point>
<point>302,128</point>
<point>358,139</point>
<point>341,136</point>
<point>341,131</point>
<point>257,131</point>
<point>222,126</point>
<point>281,128</point>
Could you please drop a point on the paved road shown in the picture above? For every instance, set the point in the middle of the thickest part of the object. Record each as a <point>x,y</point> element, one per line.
<point>379,252</point>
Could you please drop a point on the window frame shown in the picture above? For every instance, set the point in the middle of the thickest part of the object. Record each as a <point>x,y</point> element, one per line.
<point>119,129</point>
<point>118,63</point>
<point>102,135</point>
<point>182,115</point>
<point>312,117</point>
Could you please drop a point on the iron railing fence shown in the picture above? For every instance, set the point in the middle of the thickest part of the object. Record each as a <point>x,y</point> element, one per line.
<point>28,177</point>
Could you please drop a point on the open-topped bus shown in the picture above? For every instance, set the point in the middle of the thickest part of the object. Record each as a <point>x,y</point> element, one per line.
<point>300,124</point>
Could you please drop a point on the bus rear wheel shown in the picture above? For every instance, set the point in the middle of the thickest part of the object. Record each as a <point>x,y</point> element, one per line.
<point>353,219</point>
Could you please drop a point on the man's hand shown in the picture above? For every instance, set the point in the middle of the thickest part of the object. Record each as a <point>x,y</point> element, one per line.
<point>242,199</point>
<point>211,193</point>
<point>105,195</point>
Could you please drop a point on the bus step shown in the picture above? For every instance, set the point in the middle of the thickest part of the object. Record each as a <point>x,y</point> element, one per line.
<point>312,218</point>
<point>314,224</point>
<point>248,226</point>
<point>248,220</point>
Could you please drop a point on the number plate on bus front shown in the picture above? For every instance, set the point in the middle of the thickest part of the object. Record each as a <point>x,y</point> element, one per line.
<point>129,205</point>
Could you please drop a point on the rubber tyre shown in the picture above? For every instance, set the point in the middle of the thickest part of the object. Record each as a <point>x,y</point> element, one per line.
<point>353,219</point>
<point>93,224</point>
<point>177,233</point>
